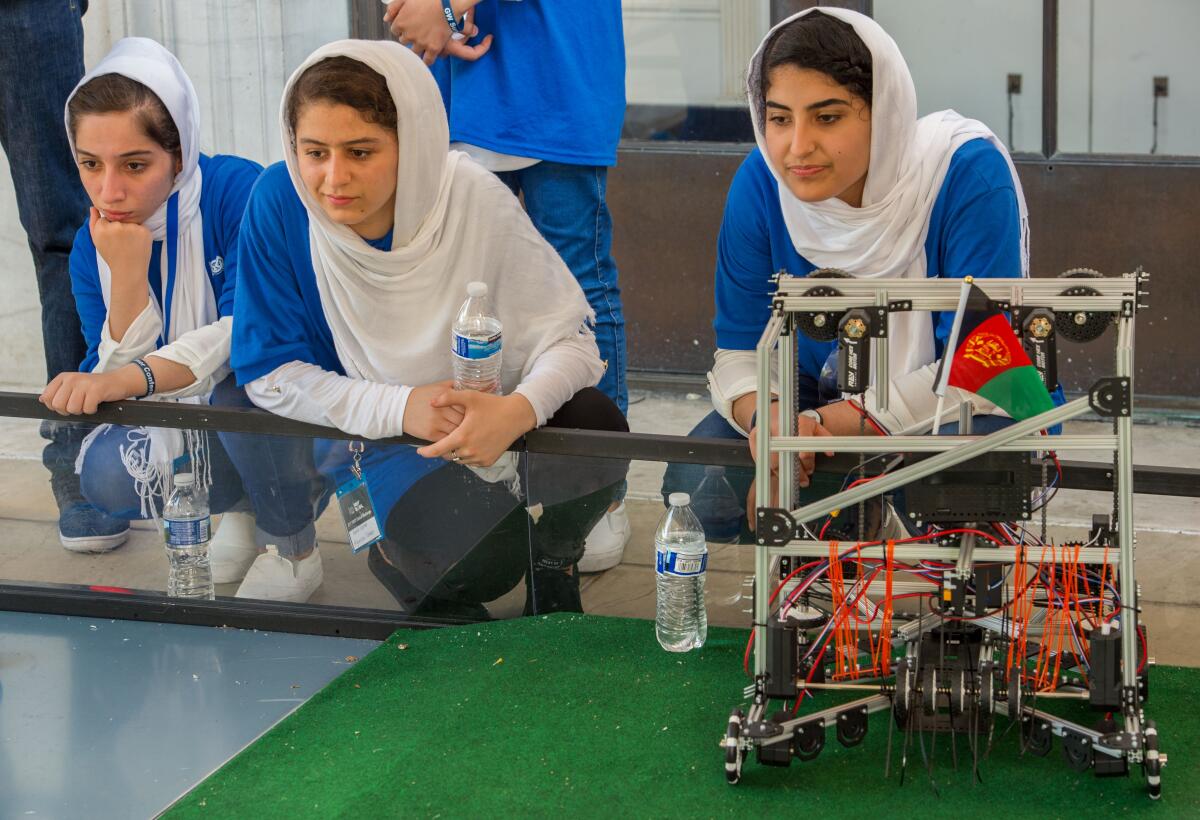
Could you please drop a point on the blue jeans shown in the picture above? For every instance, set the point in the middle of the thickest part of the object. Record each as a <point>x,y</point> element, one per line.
<point>567,205</point>
<point>271,476</point>
<point>41,60</point>
<point>685,478</point>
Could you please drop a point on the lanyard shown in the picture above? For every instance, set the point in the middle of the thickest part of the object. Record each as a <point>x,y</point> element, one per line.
<point>172,260</point>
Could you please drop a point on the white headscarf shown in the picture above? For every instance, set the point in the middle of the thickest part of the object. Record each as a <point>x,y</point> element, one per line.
<point>190,303</point>
<point>909,159</point>
<point>454,222</point>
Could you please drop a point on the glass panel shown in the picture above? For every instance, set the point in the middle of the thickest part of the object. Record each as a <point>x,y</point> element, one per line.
<point>238,55</point>
<point>1125,79</point>
<point>685,67</point>
<point>456,540</point>
<point>622,582</point>
<point>982,58</point>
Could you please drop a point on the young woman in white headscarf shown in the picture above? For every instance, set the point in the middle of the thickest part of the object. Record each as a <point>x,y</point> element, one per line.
<point>154,272</point>
<point>356,253</point>
<point>845,175</point>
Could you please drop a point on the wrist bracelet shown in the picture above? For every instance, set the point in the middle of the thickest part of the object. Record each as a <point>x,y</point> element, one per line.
<point>148,373</point>
<point>456,26</point>
<point>811,412</point>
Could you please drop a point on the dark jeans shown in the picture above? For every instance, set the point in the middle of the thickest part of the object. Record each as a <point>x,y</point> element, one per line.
<point>455,538</point>
<point>685,478</point>
<point>567,205</point>
<point>41,60</point>
<point>274,475</point>
<point>282,485</point>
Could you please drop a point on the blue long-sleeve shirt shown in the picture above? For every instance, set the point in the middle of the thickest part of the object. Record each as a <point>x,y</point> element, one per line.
<point>223,196</point>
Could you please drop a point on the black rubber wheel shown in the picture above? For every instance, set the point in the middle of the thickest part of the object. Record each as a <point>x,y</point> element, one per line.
<point>1152,763</point>
<point>902,698</point>
<point>1014,694</point>
<point>733,748</point>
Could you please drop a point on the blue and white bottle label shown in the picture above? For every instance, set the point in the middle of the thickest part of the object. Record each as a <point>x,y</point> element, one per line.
<point>476,349</point>
<point>187,533</point>
<point>683,565</point>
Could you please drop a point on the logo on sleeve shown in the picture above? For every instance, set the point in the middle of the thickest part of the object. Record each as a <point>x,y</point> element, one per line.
<point>217,265</point>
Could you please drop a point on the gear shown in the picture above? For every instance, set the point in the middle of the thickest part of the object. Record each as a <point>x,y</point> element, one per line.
<point>821,327</point>
<point>1081,325</point>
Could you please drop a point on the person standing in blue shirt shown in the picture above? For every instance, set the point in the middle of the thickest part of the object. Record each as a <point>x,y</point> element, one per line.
<point>153,271</point>
<point>846,176</point>
<point>540,101</point>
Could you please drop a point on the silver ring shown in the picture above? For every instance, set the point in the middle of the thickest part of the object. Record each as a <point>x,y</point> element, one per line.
<point>454,456</point>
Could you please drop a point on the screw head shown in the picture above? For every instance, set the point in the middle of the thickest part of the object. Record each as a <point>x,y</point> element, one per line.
<point>1081,318</point>
<point>819,320</point>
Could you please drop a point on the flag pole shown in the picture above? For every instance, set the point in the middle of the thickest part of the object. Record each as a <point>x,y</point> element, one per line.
<point>939,389</point>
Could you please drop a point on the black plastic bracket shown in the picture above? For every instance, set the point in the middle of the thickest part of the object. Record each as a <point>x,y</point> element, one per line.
<point>899,305</point>
<point>852,726</point>
<point>1077,749</point>
<point>808,739</point>
<point>1111,397</point>
<point>775,526</point>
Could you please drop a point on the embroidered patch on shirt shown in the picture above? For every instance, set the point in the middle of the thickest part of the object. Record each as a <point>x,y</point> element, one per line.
<point>216,265</point>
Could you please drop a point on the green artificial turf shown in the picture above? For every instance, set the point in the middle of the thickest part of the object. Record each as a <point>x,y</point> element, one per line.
<point>577,715</point>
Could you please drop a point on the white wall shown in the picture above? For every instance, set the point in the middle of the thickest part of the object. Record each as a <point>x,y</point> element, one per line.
<point>961,52</point>
<point>238,54</point>
<point>690,52</point>
<point>1115,49</point>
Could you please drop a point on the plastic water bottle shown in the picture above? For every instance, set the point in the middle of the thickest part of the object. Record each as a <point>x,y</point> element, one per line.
<point>717,507</point>
<point>475,343</point>
<point>681,558</point>
<point>187,528</point>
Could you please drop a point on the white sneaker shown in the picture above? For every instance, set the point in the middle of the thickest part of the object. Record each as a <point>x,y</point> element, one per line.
<point>274,578</point>
<point>232,549</point>
<point>606,542</point>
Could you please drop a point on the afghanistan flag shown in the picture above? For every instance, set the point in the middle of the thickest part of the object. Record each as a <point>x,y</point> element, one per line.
<point>988,359</point>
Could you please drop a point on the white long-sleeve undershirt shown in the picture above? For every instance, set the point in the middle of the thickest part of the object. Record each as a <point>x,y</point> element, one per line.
<point>308,392</point>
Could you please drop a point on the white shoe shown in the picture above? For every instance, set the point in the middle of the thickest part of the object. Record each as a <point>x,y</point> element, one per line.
<point>233,549</point>
<point>274,578</point>
<point>606,542</point>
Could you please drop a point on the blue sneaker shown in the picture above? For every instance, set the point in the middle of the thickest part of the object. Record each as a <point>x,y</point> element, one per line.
<point>84,528</point>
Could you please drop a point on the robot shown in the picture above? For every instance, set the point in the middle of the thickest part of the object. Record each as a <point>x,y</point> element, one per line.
<point>943,603</point>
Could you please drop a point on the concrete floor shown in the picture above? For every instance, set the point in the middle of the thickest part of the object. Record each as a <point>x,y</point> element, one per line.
<point>1168,536</point>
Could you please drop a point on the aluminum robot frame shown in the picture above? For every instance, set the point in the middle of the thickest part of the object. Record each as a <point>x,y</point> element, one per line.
<point>986,689</point>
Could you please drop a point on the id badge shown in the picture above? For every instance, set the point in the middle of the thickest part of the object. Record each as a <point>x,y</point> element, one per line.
<point>357,507</point>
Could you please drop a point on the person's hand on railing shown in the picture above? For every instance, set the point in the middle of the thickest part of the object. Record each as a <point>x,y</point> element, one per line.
<point>73,394</point>
<point>490,424</point>
<point>425,421</point>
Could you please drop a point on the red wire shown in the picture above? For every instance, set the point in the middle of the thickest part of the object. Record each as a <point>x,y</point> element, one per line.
<point>870,420</point>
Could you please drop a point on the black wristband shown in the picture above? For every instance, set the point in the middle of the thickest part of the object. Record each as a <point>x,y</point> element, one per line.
<point>149,374</point>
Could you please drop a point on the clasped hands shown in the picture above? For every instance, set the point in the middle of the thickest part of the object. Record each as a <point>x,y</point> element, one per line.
<point>466,426</point>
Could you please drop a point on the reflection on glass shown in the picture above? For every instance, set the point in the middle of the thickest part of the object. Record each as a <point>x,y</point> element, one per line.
<point>1124,79</point>
<point>457,543</point>
<point>979,57</point>
<point>685,67</point>
<point>627,589</point>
